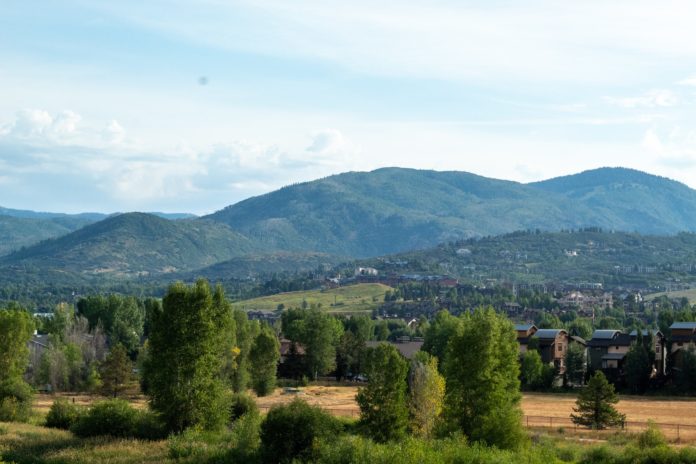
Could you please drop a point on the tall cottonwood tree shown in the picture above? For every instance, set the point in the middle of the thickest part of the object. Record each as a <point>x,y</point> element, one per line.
<point>427,393</point>
<point>189,339</point>
<point>264,356</point>
<point>16,328</point>
<point>482,373</point>
<point>319,333</point>
<point>383,406</point>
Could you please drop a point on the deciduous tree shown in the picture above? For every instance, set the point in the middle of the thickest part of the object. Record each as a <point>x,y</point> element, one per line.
<point>427,393</point>
<point>264,356</point>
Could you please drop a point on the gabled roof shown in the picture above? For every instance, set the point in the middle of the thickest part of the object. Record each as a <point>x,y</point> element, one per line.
<point>548,333</point>
<point>523,327</point>
<point>683,326</point>
<point>645,332</point>
<point>577,339</point>
<point>604,334</point>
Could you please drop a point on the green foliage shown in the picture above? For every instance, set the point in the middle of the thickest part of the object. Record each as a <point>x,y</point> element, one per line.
<point>595,404</point>
<point>532,370</point>
<point>186,354</point>
<point>63,414</point>
<point>15,400</point>
<point>16,329</point>
<point>576,364</point>
<point>122,318</point>
<point>245,334</point>
<point>383,405</point>
<point>638,365</point>
<point>117,418</point>
<point>291,431</point>
<point>242,404</point>
<point>482,374</point>
<point>319,334</point>
<point>116,371</point>
<point>264,357</point>
<point>438,334</point>
<point>426,394</point>
<point>652,437</point>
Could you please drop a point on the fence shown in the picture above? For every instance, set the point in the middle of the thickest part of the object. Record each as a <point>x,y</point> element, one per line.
<point>681,432</point>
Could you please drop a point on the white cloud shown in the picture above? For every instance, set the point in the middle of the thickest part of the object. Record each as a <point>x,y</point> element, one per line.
<point>661,98</point>
<point>689,81</point>
<point>329,141</point>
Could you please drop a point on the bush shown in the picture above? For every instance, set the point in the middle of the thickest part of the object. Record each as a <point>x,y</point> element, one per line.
<point>241,404</point>
<point>291,431</point>
<point>117,418</point>
<point>63,414</point>
<point>651,438</point>
<point>15,400</point>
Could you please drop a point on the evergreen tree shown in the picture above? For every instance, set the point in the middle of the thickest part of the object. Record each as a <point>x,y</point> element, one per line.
<point>639,365</point>
<point>264,356</point>
<point>427,394</point>
<point>595,404</point>
<point>383,407</point>
<point>576,364</point>
<point>116,371</point>
<point>482,374</point>
<point>186,353</point>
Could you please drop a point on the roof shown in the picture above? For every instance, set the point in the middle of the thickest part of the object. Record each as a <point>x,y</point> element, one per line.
<point>548,333</point>
<point>523,327</point>
<point>604,334</point>
<point>407,349</point>
<point>613,356</point>
<point>683,326</point>
<point>577,339</point>
<point>645,332</point>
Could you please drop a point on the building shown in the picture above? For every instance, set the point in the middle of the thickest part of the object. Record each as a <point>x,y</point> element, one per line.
<point>524,333</point>
<point>683,336</point>
<point>607,350</point>
<point>659,346</point>
<point>407,347</point>
<point>551,343</point>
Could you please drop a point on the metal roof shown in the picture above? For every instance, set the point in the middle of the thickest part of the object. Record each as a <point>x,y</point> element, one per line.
<point>613,356</point>
<point>547,333</point>
<point>683,325</point>
<point>645,332</point>
<point>523,327</point>
<point>604,334</point>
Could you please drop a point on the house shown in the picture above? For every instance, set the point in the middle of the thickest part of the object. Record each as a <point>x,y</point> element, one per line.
<point>683,336</point>
<point>366,271</point>
<point>659,346</point>
<point>524,333</point>
<point>551,343</point>
<point>607,349</point>
<point>586,303</point>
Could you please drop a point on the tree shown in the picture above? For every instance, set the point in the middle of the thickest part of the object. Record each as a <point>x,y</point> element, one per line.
<point>532,369</point>
<point>438,334</point>
<point>427,394</point>
<point>383,408</point>
<point>576,364</point>
<point>482,374</point>
<point>639,365</point>
<point>264,357</point>
<point>186,353</point>
<point>595,404</point>
<point>319,334</point>
<point>16,328</point>
<point>116,371</point>
<point>245,334</point>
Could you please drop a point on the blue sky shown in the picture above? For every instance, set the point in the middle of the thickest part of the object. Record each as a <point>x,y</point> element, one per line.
<point>191,106</point>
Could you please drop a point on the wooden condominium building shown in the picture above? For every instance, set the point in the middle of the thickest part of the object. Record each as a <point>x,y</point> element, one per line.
<point>551,343</point>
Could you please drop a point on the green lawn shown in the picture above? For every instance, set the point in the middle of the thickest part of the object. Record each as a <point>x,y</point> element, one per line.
<point>690,294</point>
<point>360,297</point>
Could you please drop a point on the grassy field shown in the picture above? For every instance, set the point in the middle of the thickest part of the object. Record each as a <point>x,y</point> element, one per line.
<point>689,294</point>
<point>353,298</point>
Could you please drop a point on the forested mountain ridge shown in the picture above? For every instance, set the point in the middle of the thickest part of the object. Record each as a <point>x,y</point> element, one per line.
<point>135,244</point>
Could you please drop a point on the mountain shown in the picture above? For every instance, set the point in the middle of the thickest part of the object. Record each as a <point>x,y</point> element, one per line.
<point>135,244</point>
<point>393,209</point>
<point>571,257</point>
<point>18,232</point>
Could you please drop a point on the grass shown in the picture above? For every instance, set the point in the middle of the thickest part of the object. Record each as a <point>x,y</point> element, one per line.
<point>24,443</point>
<point>690,294</point>
<point>353,298</point>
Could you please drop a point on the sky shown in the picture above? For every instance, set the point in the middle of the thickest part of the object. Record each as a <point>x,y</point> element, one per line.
<point>189,106</point>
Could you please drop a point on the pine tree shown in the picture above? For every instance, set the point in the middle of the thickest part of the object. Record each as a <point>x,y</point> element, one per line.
<point>383,408</point>
<point>264,356</point>
<point>116,371</point>
<point>482,374</point>
<point>189,340</point>
<point>595,404</point>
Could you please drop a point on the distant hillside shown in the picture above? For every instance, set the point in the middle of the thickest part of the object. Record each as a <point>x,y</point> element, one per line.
<point>17,232</point>
<point>135,244</point>
<point>393,209</point>
<point>562,257</point>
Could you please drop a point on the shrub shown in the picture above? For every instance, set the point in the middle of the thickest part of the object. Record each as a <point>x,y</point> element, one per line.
<point>242,404</point>
<point>246,439</point>
<point>15,400</point>
<point>652,437</point>
<point>63,414</point>
<point>117,418</point>
<point>290,431</point>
